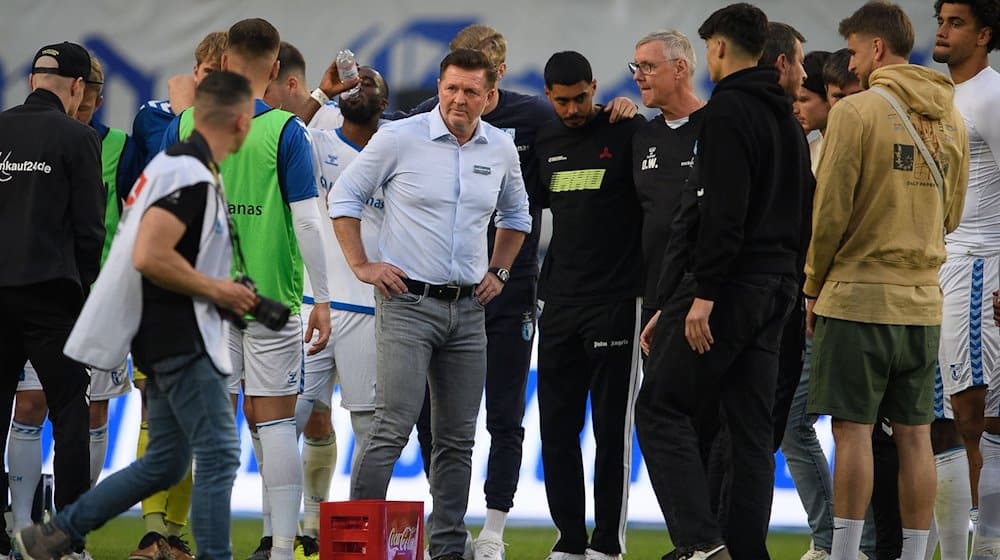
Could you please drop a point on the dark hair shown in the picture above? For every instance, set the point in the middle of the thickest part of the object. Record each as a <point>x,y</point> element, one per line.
<point>743,24</point>
<point>291,60</point>
<point>835,70</point>
<point>253,38</point>
<point>987,14</point>
<point>813,64</point>
<point>468,59</point>
<point>217,96</point>
<point>781,39</point>
<point>567,68</point>
<point>883,20</point>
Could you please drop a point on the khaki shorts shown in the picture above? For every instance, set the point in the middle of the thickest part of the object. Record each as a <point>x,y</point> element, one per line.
<point>861,371</point>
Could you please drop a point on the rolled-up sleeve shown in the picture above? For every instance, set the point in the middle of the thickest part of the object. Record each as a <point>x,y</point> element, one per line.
<point>512,204</point>
<point>369,171</point>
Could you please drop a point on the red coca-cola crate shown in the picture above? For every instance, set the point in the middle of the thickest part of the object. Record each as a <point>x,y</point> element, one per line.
<point>371,530</point>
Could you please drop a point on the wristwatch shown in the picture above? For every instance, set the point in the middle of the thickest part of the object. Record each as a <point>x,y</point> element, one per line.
<point>502,273</point>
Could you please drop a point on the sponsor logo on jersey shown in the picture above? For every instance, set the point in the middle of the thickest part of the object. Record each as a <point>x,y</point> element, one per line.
<point>554,159</point>
<point>331,159</point>
<point>688,163</point>
<point>375,202</point>
<point>246,209</point>
<point>612,343</point>
<point>649,162</point>
<point>7,167</point>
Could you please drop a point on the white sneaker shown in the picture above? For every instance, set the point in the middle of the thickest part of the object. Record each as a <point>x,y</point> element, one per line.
<point>489,546</point>
<point>470,547</point>
<point>718,553</point>
<point>592,554</point>
<point>565,556</point>
<point>83,555</point>
<point>816,553</point>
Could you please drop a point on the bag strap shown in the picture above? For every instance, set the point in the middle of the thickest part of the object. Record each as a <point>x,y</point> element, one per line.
<point>935,170</point>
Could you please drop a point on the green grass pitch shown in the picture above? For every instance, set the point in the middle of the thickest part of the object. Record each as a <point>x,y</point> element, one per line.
<point>116,539</point>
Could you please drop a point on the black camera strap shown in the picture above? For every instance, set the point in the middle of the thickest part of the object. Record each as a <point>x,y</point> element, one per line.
<point>234,237</point>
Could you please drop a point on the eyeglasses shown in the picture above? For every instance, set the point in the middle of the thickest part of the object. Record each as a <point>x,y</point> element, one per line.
<point>647,68</point>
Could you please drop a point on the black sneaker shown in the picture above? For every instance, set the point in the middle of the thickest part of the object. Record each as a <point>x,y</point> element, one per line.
<point>309,547</point>
<point>263,551</point>
<point>43,542</point>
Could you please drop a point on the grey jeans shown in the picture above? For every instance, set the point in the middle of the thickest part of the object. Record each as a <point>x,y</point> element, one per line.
<point>425,342</point>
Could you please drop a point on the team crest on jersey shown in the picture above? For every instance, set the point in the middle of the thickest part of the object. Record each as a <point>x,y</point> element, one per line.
<point>117,377</point>
<point>293,377</point>
<point>956,371</point>
<point>649,162</point>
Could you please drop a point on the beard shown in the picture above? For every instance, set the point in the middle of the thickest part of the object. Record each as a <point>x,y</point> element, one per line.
<point>360,113</point>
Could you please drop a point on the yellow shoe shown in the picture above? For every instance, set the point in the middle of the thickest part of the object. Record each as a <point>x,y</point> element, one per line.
<point>306,548</point>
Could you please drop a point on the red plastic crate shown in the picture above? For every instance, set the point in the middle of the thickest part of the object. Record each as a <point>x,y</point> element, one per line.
<point>371,530</point>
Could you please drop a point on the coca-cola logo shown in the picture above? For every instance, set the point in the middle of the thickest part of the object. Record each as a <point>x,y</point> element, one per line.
<point>403,540</point>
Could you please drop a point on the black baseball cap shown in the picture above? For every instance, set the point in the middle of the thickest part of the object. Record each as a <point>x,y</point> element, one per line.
<point>72,59</point>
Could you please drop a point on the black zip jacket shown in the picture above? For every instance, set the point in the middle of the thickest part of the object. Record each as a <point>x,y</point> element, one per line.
<point>52,196</point>
<point>744,207</point>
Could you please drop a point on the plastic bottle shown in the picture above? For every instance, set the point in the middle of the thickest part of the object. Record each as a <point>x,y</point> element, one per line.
<point>347,68</point>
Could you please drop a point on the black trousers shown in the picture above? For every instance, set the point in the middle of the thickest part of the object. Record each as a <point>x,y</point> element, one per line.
<point>679,404</point>
<point>35,322</point>
<point>510,332</point>
<point>790,357</point>
<point>588,350</point>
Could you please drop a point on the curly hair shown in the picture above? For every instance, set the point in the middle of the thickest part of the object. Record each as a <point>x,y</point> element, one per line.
<point>987,14</point>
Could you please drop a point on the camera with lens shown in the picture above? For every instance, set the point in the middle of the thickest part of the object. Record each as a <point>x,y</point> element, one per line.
<point>271,313</point>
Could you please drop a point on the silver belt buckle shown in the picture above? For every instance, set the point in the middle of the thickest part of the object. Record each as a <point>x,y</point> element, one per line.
<point>458,291</point>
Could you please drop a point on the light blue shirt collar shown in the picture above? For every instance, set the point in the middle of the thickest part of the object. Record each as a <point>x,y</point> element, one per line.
<point>437,128</point>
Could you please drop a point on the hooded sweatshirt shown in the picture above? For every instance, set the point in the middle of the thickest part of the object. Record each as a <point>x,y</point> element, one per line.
<point>744,208</point>
<point>879,219</point>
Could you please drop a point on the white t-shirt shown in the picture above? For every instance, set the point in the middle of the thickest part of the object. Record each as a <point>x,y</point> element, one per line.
<point>328,117</point>
<point>332,153</point>
<point>979,231</point>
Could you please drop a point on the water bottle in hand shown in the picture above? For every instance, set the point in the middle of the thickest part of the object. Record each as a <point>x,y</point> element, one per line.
<point>347,69</point>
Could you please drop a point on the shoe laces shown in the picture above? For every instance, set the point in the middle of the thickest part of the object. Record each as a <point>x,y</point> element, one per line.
<point>180,544</point>
<point>489,547</point>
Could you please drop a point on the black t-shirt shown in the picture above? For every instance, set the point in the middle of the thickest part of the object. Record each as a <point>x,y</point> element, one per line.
<point>662,158</point>
<point>586,174</point>
<point>168,327</point>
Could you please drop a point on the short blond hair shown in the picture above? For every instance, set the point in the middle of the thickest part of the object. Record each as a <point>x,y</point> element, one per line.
<point>210,48</point>
<point>484,39</point>
<point>96,78</point>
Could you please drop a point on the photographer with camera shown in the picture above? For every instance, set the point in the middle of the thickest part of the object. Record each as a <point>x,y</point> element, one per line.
<point>171,259</point>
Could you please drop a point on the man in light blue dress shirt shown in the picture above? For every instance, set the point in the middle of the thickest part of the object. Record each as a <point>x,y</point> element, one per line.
<point>442,175</point>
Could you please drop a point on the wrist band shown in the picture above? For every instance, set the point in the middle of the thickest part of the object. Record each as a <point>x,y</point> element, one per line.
<point>319,96</point>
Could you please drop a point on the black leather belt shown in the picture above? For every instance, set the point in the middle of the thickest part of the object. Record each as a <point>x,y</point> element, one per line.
<point>445,291</point>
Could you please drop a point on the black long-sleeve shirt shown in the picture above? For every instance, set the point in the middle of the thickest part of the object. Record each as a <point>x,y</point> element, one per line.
<point>742,209</point>
<point>52,195</point>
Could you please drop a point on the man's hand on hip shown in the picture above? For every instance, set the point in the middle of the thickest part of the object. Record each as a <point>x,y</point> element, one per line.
<point>387,278</point>
<point>319,320</point>
<point>489,288</point>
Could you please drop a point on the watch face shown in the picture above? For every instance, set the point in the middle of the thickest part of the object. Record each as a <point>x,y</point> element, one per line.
<point>503,274</point>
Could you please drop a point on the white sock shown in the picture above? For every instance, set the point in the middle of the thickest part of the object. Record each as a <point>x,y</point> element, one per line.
<point>914,544</point>
<point>98,451</point>
<point>932,541</point>
<point>265,504</point>
<point>303,409</point>
<point>24,457</point>
<point>282,474</point>
<point>319,458</point>
<point>986,536</point>
<point>496,520</point>
<point>846,538</point>
<point>952,502</point>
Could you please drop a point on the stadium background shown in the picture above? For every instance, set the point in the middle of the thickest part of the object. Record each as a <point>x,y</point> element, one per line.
<point>143,43</point>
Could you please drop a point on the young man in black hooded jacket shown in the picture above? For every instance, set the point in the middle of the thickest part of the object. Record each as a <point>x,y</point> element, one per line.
<point>729,282</point>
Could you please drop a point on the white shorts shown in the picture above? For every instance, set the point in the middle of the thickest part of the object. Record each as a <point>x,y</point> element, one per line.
<point>350,355</point>
<point>104,384</point>
<point>969,351</point>
<point>28,380</point>
<point>268,362</point>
